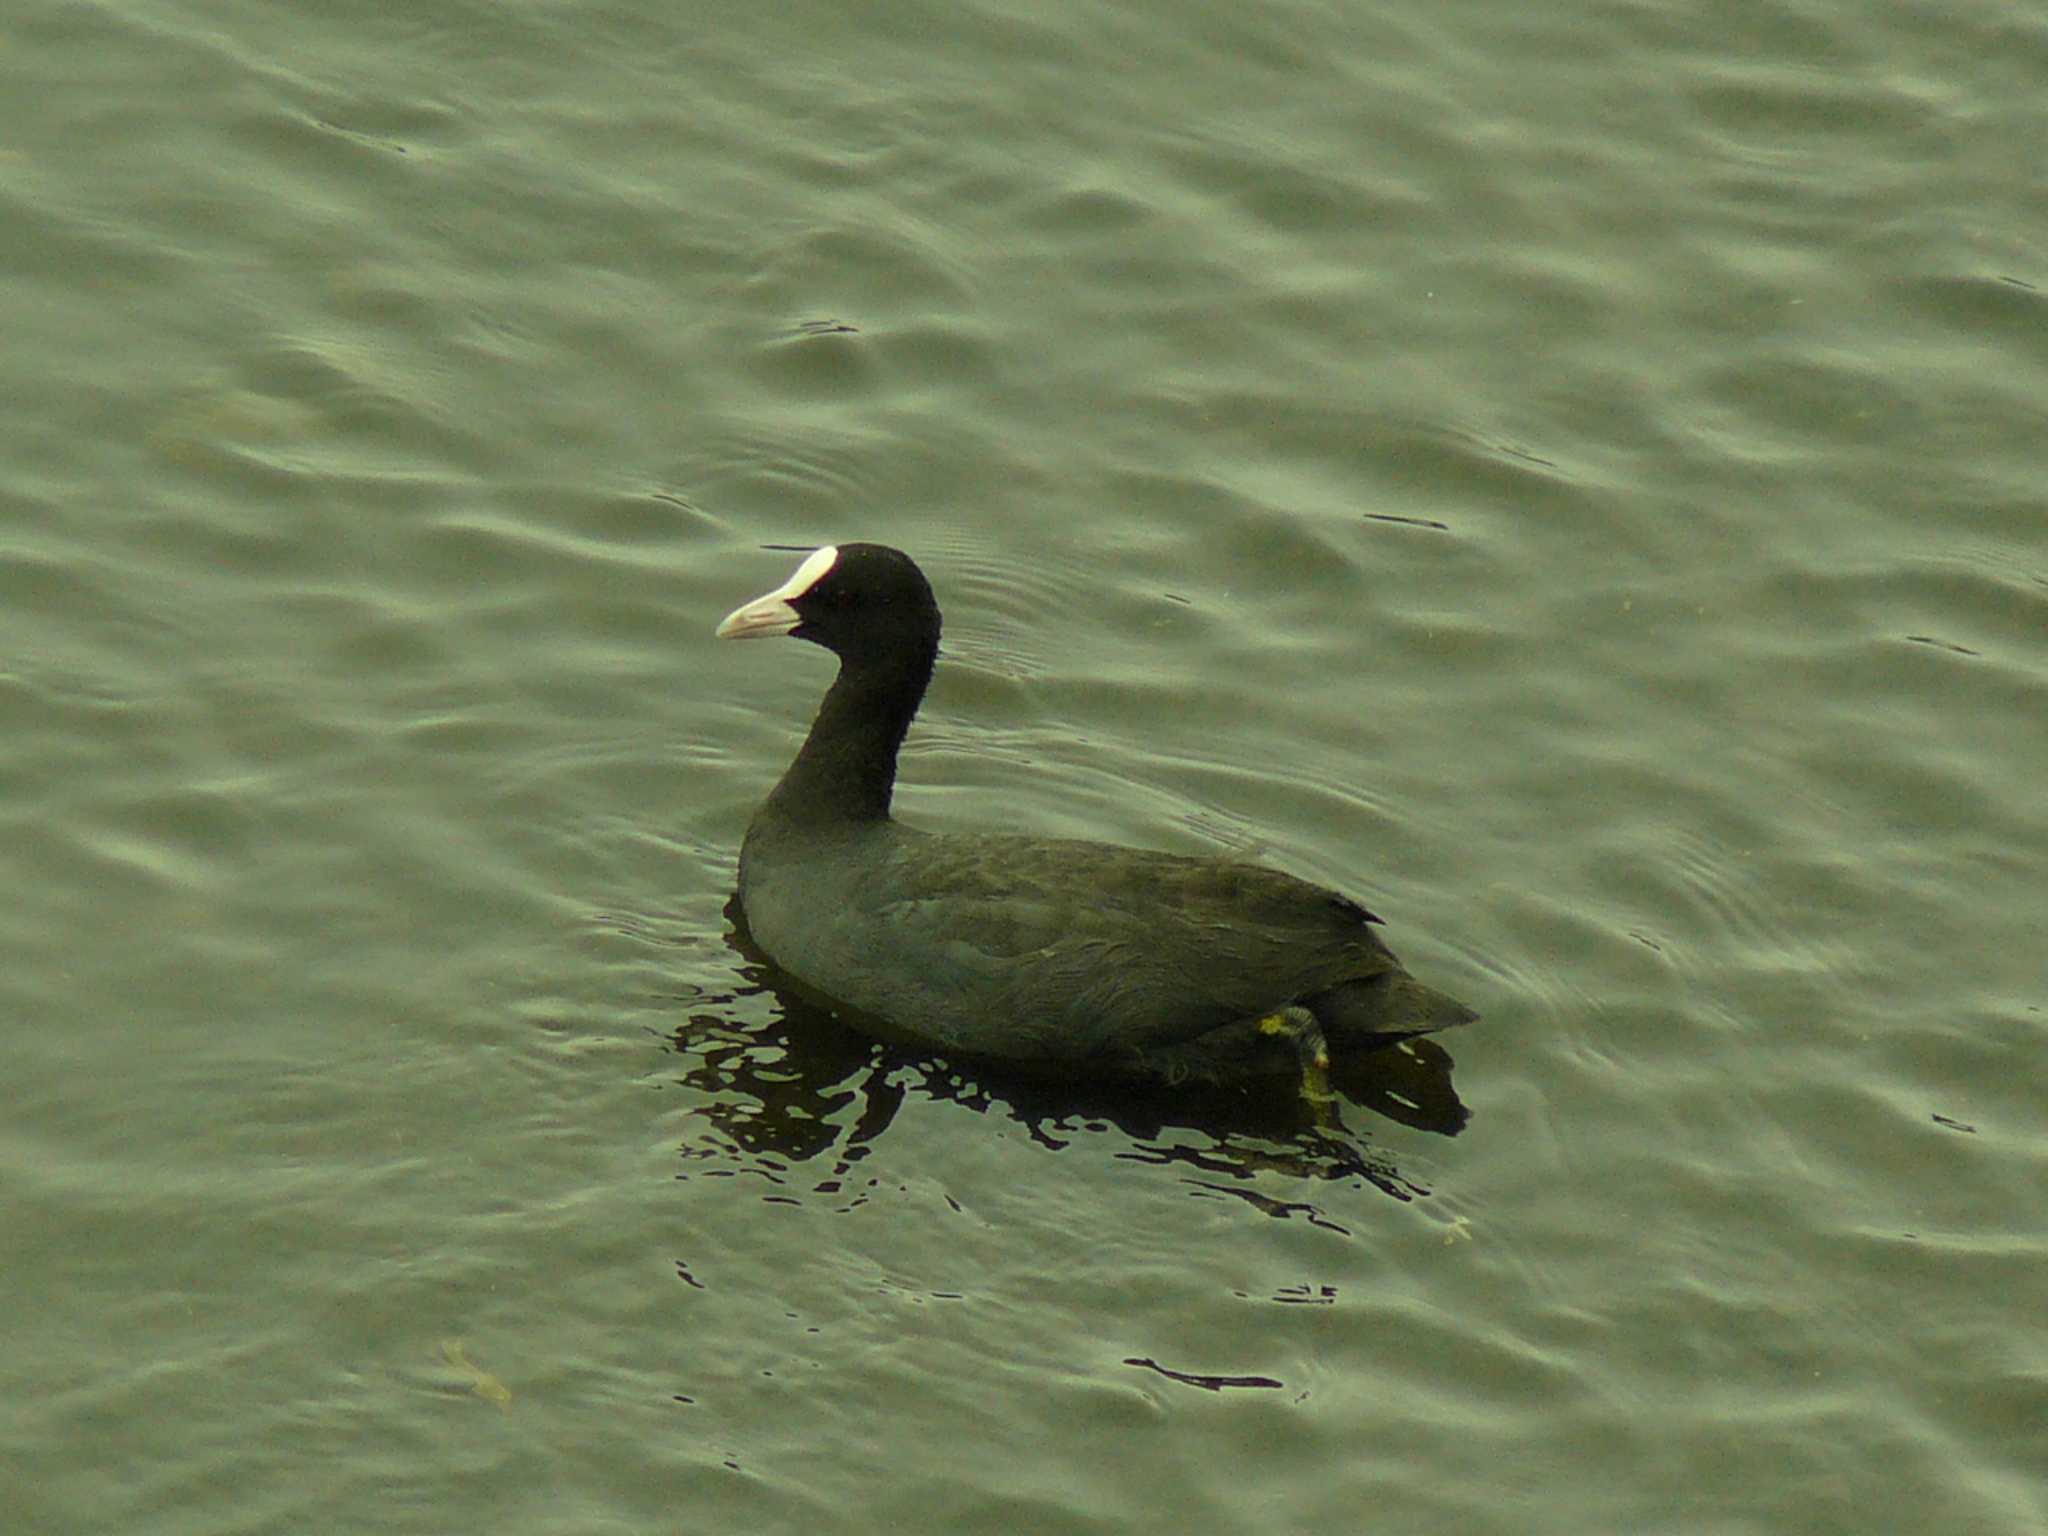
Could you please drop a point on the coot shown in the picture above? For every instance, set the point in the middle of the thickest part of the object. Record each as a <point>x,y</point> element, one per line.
<point>1052,955</point>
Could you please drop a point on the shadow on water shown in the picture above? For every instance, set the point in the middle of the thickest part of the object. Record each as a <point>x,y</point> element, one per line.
<point>802,1086</point>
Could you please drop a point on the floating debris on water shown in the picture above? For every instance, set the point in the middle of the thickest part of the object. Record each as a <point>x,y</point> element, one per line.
<point>481,1381</point>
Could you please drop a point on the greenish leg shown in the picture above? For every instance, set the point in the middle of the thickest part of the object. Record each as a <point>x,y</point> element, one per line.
<point>1299,1026</point>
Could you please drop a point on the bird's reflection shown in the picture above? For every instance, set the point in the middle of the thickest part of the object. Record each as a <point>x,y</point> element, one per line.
<point>801,1086</point>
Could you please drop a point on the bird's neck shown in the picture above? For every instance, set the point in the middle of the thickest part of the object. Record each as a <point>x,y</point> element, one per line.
<point>846,769</point>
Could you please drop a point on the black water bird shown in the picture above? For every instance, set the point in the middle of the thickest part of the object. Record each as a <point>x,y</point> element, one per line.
<point>1055,956</point>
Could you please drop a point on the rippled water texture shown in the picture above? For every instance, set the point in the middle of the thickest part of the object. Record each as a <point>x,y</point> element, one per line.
<point>1573,478</point>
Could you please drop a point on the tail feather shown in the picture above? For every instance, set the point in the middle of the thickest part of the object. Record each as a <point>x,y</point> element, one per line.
<point>1387,1008</point>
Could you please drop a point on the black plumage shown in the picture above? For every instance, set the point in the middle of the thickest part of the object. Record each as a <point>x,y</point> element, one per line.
<point>1077,958</point>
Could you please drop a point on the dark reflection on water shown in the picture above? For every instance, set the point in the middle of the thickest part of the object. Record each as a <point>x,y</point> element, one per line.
<point>803,1087</point>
